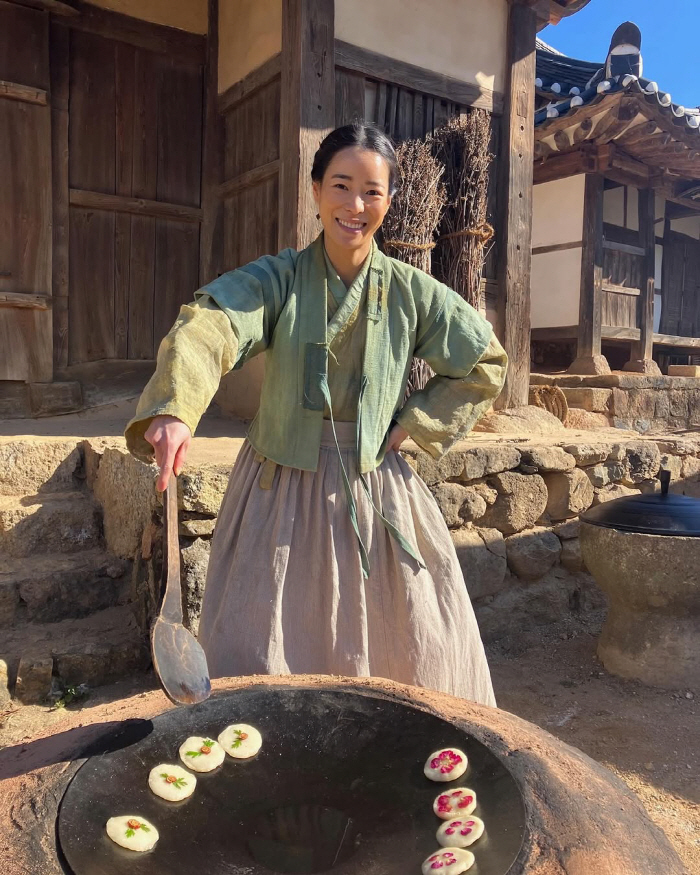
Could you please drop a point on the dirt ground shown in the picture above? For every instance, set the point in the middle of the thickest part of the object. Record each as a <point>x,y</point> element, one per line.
<point>650,738</point>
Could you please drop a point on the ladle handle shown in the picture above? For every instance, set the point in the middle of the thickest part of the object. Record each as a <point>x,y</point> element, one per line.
<point>171,610</point>
<point>665,478</point>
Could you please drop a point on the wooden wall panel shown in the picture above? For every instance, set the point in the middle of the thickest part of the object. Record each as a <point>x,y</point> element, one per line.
<point>136,132</point>
<point>176,272</point>
<point>26,335</point>
<point>91,299</point>
<point>24,57</point>
<point>252,131</point>
<point>349,97</point>
<point>622,269</point>
<point>142,273</point>
<point>250,224</point>
<point>179,134</point>
<point>25,198</point>
<point>92,131</point>
<point>25,344</point>
<point>619,310</point>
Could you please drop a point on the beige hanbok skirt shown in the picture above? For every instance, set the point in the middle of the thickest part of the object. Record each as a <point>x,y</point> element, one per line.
<point>285,592</point>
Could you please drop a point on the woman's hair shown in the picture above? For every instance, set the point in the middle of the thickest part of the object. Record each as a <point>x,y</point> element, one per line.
<point>365,136</point>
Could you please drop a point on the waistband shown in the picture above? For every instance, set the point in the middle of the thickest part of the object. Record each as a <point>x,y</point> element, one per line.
<point>346,432</point>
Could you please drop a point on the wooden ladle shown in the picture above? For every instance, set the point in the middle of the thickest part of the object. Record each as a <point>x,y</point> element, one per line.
<point>179,660</point>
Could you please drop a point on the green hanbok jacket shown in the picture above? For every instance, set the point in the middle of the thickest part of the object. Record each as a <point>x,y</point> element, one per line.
<point>278,304</point>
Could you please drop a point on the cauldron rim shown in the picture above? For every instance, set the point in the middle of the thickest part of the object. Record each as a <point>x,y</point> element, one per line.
<point>661,514</point>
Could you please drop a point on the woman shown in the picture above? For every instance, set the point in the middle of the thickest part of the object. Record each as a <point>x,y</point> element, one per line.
<point>330,555</point>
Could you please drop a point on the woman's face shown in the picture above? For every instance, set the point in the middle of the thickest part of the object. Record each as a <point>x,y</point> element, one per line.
<point>353,197</point>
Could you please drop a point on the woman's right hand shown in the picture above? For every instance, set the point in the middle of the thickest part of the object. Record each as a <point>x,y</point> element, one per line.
<point>170,439</point>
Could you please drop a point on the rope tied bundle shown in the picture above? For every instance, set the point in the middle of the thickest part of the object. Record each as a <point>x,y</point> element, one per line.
<point>404,244</point>
<point>483,233</point>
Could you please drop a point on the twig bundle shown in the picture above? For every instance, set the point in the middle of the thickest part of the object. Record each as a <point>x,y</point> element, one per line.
<point>410,225</point>
<point>462,147</point>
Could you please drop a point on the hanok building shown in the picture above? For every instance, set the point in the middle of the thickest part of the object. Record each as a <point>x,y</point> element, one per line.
<point>616,223</point>
<point>146,147</point>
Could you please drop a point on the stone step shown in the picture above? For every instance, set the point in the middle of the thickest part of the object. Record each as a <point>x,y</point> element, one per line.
<point>47,589</point>
<point>39,464</point>
<point>61,522</point>
<point>104,647</point>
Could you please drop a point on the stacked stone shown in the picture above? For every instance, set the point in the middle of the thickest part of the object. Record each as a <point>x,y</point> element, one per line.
<point>513,509</point>
<point>641,403</point>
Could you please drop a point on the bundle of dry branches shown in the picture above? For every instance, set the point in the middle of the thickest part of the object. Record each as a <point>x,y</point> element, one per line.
<point>462,147</point>
<point>410,225</point>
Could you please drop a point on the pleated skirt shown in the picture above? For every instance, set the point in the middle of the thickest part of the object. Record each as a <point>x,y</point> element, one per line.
<point>285,593</point>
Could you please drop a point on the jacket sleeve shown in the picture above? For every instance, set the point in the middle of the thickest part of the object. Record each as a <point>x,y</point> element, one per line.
<point>470,368</point>
<point>230,321</point>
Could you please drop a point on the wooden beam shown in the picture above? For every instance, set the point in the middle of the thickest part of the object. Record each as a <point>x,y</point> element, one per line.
<point>190,47</point>
<point>256,79</point>
<point>307,112</point>
<point>557,247</point>
<point>211,242</point>
<point>23,93</point>
<point>616,289</point>
<point>563,165</point>
<point>550,335</point>
<point>59,55</point>
<point>634,334</point>
<point>514,222</point>
<point>589,359</point>
<point>57,7</point>
<point>614,332</point>
<point>614,246</point>
<point>673,340</point>
<point>622,161</point>
<point>416,78</point>
<point>22,300</point>
<point>638,134</point>
<point>136,206</point>
<point>641,360</point>
<point>249,179</point>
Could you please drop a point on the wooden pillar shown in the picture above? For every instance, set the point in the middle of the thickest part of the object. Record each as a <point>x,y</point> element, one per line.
<point>589,359</point>
<point>307,112</point>
<point>515,205</point>
<point>641,360</point>
<point>211,234</point>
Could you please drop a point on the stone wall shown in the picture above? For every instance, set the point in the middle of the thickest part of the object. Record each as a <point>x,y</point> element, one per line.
<point>628,401</point>
<point>513,508</point>
<point>511,503</point>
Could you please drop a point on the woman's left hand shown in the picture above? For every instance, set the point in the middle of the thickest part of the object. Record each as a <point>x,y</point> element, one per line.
<point>396,437</point>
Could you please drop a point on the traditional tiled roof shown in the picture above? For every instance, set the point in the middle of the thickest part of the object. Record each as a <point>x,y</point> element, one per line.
<point>569,84</point>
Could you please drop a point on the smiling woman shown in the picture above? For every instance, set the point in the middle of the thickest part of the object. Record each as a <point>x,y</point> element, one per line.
<point>330,554</point>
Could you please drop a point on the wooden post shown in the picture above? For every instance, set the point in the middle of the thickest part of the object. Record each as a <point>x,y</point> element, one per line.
<point>211,234</point>
<point>641,360</point>
<point>307,112</point>
<point>589,359</point>
<point>515,207</point>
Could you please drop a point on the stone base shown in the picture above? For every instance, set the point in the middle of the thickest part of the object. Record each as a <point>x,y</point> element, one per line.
<point>643,366</point>
<point>684,371</point>
<point>590,365</point>
<point>656,650</point>
<point>580,817</point>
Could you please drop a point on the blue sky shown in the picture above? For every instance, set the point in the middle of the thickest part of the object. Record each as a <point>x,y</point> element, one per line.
<point>670,39</point>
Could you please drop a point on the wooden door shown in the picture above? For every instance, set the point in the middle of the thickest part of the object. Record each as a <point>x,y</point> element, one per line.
<point>25,196</point>
<point>680,286</point>
<point>135,135</point>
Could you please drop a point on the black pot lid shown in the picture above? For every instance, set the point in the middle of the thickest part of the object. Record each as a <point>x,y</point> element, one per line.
<point>660,513</point>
